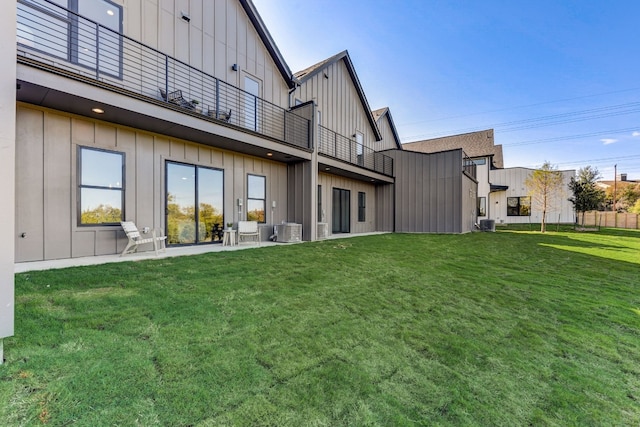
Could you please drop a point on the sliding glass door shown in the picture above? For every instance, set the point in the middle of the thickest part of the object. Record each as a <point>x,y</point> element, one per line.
<point>194,203</point>
<point>341,211</point>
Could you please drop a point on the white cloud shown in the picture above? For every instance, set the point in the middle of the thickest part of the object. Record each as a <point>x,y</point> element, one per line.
<point>636,133</point>
<point>607,141</point>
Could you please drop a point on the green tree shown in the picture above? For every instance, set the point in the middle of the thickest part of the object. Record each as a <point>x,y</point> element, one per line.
<point>586,195</point>
<point>545,185</point>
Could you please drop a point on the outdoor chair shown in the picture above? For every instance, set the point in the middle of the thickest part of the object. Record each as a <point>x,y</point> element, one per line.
<point>248,229</point>
<point>220,115</point>
<point>176,97</point>
<point>135,238</point>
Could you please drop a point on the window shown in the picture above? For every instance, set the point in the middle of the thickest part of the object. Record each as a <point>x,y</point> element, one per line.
<point>478,162</point>
<point>482,206</point>
<point>362,206</point>
<point>101,186</point>
<point>519,206</point>
<point>319,203</point>
<point>256,198</point>
<point>52,29</point>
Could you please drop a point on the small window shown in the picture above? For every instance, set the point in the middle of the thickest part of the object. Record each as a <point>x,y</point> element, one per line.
<point>362,206</point>
<point>101,186</point>
<point>482,206</point>
<point>478,162</point>
<point>519,206</point>
<point>256,198</point>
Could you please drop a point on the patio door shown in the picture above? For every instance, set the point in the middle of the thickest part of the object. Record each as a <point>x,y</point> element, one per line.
<point>194,203</point>
<point>251,107</point>
<point>341,211</point>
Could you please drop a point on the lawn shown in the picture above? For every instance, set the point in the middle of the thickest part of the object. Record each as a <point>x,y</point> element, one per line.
<point>512,328</point>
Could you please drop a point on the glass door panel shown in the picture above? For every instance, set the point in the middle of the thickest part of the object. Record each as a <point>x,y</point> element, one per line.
<point>181,204</point>
<point>210,203</point>
<point>341,211</point>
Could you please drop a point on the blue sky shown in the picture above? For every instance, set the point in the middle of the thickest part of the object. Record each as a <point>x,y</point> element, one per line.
<point>557,80</point>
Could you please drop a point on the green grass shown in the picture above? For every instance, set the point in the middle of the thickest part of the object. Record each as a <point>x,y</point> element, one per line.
<point>512,328</point>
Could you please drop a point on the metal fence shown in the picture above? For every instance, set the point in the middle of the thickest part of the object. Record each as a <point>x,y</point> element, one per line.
<point>62,38</point>
<point>342,148</point>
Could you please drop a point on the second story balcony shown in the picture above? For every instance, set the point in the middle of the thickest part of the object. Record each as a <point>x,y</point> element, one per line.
<point>66,43</point>
<point>340,147</point>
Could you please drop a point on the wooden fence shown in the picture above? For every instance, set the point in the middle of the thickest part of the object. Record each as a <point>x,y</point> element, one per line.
<point>608,219</point>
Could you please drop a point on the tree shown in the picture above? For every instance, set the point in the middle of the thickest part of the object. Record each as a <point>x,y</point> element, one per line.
<point>545,185</point>
<point>586,195</point>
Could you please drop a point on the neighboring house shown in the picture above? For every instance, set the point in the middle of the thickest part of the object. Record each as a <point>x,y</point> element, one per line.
<point>502,195</point>
<point>511,204</point>
<point>481,150</point>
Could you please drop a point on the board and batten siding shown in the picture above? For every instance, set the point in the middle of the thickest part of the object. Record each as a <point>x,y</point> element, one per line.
<point>388,139</point>
<point>329,182</point>
<point>560,208</point>
<point>46,181</point>
<point>429,192</point>
<point>337,100</point>
<point>218,35</point>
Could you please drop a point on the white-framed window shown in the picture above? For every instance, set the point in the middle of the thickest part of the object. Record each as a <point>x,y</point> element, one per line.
<point>360,148</point>
<point>100,186</point>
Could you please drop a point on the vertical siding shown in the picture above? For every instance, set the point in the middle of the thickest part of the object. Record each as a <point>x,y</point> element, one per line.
<point>385,207</point>
<point>338,101</point>
<point>218,36</point>
<point>428,192</point>
<point>46,208</point>
<point>560,208</point>
<point>388,139</point>
<point>329,182</point>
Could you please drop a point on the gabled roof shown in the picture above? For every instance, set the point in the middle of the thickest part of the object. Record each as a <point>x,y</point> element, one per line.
<point>268,41</point>
<point>379,114</point>
<point>304,75</point>
<point>474,144</point>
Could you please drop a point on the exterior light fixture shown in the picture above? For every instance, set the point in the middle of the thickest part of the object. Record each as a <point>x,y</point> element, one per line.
<point>234,67</point>
<point>269,154</point>
<point>185,16</point>
<point>98,110</point>
<point>110,12</point>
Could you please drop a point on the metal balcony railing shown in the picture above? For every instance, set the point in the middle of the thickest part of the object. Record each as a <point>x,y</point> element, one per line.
<point>468,166</point>
<point>55,36</point>
<point>342,148</point>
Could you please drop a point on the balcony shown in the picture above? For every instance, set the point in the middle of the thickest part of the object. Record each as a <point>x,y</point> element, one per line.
<point>340,147</point>
<point>468,166</point>
<point>61,41</point>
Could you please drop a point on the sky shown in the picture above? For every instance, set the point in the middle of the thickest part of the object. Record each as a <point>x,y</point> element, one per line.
<point>558,80</point>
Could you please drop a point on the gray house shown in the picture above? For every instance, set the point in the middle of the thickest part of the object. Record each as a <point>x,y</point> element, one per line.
<point>185,116</point>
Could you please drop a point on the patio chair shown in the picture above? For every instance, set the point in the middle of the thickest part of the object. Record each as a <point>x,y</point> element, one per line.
<point>248,229</point>
<point>135,239</point>
<point>220,115</point>
<point>176,97</point>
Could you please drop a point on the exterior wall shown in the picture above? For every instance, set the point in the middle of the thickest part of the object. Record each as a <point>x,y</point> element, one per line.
<point>218,35</point>
<point>484,186</point>
<point>329,182</point>
<point>385,207</point>
<point>47,142</point>
<point>388,139</point>
<point>7,172</point>
<point>338,102</point>
<point>560,210</point>
<point>468,204</point>
<point>429,192</point>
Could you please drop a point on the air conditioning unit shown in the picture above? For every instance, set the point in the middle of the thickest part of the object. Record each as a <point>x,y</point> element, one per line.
<point>322,230</point>
<point>289,232</point>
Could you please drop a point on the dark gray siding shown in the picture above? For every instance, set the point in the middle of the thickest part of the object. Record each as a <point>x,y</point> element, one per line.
<point>301,199</point>
<point>385,207</point>
<point>429,192</point>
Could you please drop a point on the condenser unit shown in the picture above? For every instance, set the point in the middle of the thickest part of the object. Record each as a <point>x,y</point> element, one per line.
<point>289,232</point>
